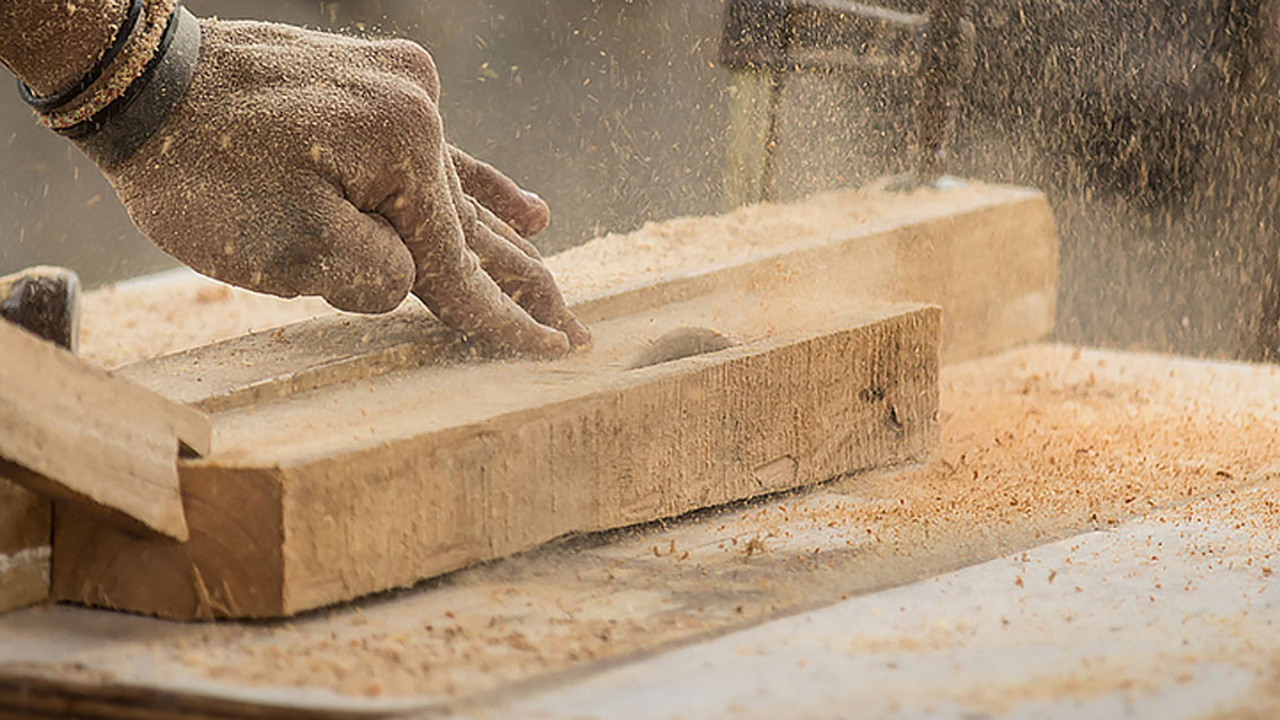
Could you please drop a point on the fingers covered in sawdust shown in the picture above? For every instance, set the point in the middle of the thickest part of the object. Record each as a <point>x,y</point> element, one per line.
<point>527,281</point>
<point>526,212</point>
<point>301,163</point>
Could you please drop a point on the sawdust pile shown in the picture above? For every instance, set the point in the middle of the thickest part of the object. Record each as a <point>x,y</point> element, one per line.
<point>669,246</point>
<point>1039,444</point>
<point>167,313</point>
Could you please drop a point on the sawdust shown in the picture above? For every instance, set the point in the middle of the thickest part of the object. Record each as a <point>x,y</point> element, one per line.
<point>176,311</point>
<point>1037,445</point>
<point>1082,685</point>
<point>594,269</point>
<point>1030,440</point>
<point>1263,703</point>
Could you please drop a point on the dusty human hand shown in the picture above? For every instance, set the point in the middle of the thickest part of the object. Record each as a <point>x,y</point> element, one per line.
<point>302,163</point>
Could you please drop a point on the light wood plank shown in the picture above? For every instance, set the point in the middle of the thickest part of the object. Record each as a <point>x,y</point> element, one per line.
<point>369,486</point>
<point>71,432</point>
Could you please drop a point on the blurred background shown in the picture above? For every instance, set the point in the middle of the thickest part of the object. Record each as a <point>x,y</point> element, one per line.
<point>1151,125</point>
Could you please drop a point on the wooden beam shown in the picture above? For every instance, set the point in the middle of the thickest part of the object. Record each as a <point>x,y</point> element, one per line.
<point>71,432</point>
<point>364,487</point>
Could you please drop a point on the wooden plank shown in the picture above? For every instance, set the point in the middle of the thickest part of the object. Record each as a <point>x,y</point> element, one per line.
<point>43,692</point>
<point>342,471</point>
<point>26,527</point>
<point>69,431</point>
<point>534,620</point>
<point>364,487</point>
<point>986,254</point>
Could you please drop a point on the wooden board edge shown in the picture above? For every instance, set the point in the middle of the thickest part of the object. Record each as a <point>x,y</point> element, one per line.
<point>169,523</point>
<point>24,578</point>
<point>26,531</point>
<point>58,692</point>
<point>165,578</point>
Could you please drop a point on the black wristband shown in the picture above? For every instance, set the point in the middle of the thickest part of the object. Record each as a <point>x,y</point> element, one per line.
<point>119,130</point>
<point>53,102</point>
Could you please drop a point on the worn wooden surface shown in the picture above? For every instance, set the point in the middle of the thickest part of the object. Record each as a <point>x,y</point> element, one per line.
<point>25,531</point>
<point>368,486</point>
<point>1039,444</point>
<point>71,432</point>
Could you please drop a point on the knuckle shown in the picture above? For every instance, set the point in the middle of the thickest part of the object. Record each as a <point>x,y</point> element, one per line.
<point>410,115</point>
<point>414,59</point>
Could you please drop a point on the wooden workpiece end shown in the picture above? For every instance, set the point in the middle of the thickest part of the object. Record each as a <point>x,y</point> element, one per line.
<point>73,433</point>
<point>26,527</point>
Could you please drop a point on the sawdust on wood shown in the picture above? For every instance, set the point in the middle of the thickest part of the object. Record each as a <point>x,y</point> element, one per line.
<point>154,316</point>
<point>146,318</point>
<point>1038,445</point>
<point>670,246</point>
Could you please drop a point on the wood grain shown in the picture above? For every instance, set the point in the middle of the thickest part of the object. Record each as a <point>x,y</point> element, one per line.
<point>365,487</point>
<point>69,431</point>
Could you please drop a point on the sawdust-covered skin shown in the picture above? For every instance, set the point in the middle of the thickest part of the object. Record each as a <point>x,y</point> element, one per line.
<point>1039,444</point>
<point>301,163</point>
<point>305,164</point>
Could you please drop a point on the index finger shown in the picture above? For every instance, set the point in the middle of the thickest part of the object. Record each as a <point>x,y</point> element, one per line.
<point>524,211</point>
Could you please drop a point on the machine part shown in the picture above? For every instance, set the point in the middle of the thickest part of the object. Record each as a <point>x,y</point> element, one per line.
<point>800,35</point>
<point>946,62</point>
<point>766,40</point>
<point>44,301</point>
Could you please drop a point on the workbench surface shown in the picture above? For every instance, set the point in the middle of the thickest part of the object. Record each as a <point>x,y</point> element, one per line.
<point>1097,537</point>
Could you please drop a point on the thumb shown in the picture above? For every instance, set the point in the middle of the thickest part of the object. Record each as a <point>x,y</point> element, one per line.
<point>357,263</point>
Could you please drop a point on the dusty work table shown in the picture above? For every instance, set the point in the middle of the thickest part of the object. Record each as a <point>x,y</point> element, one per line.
<point>1098,536</point>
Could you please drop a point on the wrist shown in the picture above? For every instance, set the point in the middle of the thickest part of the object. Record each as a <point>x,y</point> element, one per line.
<point>130,92</point>
<point>137,51</point>
<point>50,45</point>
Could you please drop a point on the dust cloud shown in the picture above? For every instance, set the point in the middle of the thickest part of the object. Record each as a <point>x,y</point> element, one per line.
<point>1151,124</point>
